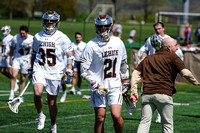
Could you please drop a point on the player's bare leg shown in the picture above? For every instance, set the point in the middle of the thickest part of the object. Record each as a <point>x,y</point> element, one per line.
<point>13,82</point>
<point>38,89</point>
<point>52,108</point>
<point>22,82</point>
<point>117,119</point>
<point>100,114</point>
<point>73,91</point>
<point>7,72</point>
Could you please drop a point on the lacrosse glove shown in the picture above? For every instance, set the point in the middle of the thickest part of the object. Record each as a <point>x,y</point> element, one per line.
<point>99,90</point>
<point>66,79</point>
<point>30,73</point>
<point>125,88</point>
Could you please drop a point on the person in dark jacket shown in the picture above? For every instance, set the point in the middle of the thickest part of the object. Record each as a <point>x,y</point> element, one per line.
<point>159,72</point>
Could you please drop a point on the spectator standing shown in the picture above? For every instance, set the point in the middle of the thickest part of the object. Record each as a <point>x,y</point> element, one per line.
<point>158,85</point>
<point>119,30</point>
<point>197,34</point>
<point>20,56</point>
<point>114,28</point>
<point>188,34</point>
<point>131,36</point>
<point>78,47</point>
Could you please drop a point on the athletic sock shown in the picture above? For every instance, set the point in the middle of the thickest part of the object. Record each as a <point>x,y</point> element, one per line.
<point>41,114</point>
<point>12,92</point>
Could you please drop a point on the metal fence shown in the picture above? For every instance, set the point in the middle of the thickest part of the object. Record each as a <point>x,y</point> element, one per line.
<point>88,29</point>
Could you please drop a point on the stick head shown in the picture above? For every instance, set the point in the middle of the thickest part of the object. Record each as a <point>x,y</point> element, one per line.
<point>14,104</point>
<point>130,105</point>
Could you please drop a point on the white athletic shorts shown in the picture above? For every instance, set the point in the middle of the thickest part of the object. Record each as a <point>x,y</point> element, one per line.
<point>52,87</point>
<point>21,64</point>
<point>5,61</point>
<point>114,96</point>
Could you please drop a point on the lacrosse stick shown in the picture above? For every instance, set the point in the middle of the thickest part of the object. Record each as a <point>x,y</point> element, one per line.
<point>130,105</point>
<point>14,104</point>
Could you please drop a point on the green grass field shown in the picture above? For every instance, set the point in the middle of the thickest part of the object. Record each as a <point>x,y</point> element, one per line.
<point>88,29</point>
<point>76,116</point>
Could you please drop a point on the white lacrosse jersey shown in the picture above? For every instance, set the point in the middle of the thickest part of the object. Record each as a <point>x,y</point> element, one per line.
<point>22,47</point>
<point>6,43</point>
<point>104,59</point>
<point>180,53</point>
<point>148,48</point>
<point>51,50</point>
<point>78,49</point>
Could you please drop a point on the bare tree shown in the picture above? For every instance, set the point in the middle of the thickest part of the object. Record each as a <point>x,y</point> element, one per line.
<point>11,9</point>
<point>151,6</point>
<point>92,4</point>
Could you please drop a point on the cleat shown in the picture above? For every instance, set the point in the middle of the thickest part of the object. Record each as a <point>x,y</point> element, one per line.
<point>11,97</point>
<point>69,85</point>
<point>79,93</point>
<point>41,120</point>
<point>53,129</point>
<point>16,87</point>
<point>63,97</point>
<point>72,91</point>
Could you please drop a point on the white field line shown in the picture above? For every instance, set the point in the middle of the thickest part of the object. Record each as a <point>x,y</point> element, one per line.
<point>86,115</point>
<point>29,93</point>
<point>61,118</point>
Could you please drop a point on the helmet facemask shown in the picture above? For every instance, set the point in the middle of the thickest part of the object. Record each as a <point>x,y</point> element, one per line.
<point>104,26</point>
<point>50,22</point>
<point>104,31</point>
<point>156,41</point>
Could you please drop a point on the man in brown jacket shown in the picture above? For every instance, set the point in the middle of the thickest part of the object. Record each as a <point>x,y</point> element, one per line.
<point>159,72</point>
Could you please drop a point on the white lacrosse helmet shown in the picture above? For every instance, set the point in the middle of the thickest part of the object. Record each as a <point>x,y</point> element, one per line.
<point>104,23</point>
<point>50,18</point>
<point>6,29</point>
<point>156,41</point>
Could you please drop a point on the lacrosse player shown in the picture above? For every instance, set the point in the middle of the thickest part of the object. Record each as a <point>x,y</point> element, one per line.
<point>102,60</point>
<point>147,47</point>
<point>158,72</point>
<point>78,47</point>
<point>49,48</point>
<point>5,66</point>
<point>20,56</point>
